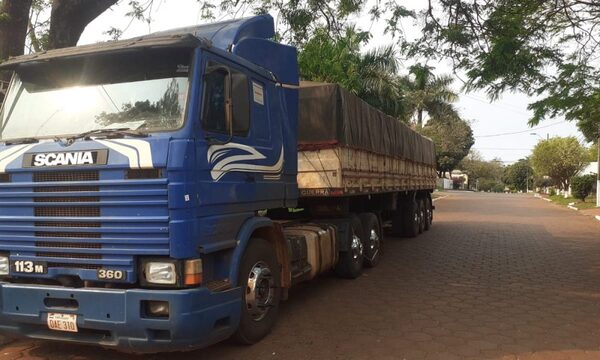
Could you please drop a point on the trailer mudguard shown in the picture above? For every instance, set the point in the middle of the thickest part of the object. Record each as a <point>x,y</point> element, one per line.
<point>243,237</point>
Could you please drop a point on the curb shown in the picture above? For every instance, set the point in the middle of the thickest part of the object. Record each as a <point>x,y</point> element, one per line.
<point>597,217</point>
<point>572,207</point>
<point>439,198</point>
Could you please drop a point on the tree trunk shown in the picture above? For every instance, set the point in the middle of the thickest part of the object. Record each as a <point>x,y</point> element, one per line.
<point>69,18</point>
<point>419,119</point>
<point>13,27</point>
<point>14,19</point>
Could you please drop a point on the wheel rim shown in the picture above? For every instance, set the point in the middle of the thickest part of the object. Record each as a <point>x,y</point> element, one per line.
<point>260,292</point>
<point>374,244</point>
<point>356,247</point>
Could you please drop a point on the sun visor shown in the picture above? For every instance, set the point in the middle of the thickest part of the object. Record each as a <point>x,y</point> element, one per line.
<point>148,42</point>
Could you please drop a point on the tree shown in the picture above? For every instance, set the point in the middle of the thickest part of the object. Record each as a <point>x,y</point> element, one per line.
<point>559,158</point>
<point>481,172</point>
<point>298,20</point>
<point>371,75</point>
<point>582,186</point>
<point>427,93</point>
<point>518,176</point>
<point>546,49</point>
<point>453,138</point>
<point>69,18</point>
<point>14,19</point>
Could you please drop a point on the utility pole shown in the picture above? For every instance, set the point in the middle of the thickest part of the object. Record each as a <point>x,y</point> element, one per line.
<point>598,171</point>
<point>527,179</point>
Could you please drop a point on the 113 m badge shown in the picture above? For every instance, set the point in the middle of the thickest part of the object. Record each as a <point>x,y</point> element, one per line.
<point>28,267</point>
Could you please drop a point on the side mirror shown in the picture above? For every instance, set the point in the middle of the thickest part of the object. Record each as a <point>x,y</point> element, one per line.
<point>228,90</point>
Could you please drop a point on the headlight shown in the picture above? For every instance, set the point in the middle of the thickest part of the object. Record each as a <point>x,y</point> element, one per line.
<point>4,266</point>
<point>161,273</point>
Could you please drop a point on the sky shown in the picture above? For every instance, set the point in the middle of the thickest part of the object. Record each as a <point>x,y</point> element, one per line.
<point>500,127</point>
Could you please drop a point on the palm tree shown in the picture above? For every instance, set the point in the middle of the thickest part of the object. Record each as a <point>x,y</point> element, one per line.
<point>427,93</point>
<point>373,75</point>
<point>379,82</point>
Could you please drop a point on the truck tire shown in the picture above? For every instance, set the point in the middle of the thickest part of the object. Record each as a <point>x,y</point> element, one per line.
<point>411,219</point>
<point>428,212</point>
<point>350,263</point>
<point>373,240</point>
<point>422,214</point>
<point>260,280</point>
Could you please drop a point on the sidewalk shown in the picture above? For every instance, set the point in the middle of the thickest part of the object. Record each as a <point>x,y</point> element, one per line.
<point>592,212</point>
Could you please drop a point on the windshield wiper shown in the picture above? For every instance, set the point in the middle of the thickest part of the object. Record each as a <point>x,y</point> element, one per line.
<point>109,133</point>
<point>25,140</point>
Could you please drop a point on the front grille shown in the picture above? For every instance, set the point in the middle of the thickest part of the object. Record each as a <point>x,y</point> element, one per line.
<point>79,199</point>
<point>51,189</point>
<point>49,244</point>
<point>122,215</point>
<point>66,176</point>
<point>67,224</point>
<point>68,255</point>
<point>63,211</point>
<point>74,266</point>
<point>52,234</point>
<point>143,174</point>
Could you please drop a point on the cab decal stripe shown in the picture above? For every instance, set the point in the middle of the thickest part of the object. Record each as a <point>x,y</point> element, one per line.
<point>11,154</point>
<point>138,152</point>
<point>144,152</point>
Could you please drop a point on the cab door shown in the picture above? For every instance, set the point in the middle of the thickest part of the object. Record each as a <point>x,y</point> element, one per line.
<point>238,155</point>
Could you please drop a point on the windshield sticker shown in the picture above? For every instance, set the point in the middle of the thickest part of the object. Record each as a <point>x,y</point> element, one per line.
<point>183,68</point>
<point>257,89</point>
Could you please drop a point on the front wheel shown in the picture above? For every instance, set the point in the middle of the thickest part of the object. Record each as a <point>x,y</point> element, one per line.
<point>260,280</point>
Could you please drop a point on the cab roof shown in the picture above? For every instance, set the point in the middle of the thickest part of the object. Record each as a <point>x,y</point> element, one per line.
<point>223,35</point>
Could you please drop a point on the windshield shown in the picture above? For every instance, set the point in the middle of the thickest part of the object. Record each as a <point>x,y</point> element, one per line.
<point>89,95</point>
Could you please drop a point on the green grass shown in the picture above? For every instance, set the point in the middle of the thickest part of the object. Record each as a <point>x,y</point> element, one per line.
<point>590,201</point>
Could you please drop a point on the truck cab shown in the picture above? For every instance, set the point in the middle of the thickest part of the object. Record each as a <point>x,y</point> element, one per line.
<point>132,176</point>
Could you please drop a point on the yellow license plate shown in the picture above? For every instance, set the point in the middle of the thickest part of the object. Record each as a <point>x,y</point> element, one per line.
<point>62,322</point>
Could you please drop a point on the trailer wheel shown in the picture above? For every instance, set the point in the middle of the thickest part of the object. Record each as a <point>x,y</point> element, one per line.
<point>260,280</point>
<point>411,219</point>
<point>428,212</point>
<point>350,262</point>
<point>373,239</point>
<point>422,214</point>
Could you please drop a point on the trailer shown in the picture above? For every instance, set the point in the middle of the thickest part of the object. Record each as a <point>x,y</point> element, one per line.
<point>163,193</point>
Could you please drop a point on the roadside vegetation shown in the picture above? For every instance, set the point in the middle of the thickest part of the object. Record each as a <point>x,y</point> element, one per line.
<point>589,202</point>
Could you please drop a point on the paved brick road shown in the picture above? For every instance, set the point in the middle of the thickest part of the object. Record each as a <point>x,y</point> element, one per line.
<point>498,277</point>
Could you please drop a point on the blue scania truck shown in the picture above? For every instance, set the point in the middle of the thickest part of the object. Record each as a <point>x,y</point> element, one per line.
<point>159,194</point>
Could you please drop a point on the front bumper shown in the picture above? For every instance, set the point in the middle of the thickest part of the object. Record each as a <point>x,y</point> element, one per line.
<point>115,318</point>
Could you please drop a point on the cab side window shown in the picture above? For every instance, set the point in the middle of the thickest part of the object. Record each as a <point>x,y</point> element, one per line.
<point>220,83</point>
<point>214,101</point>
